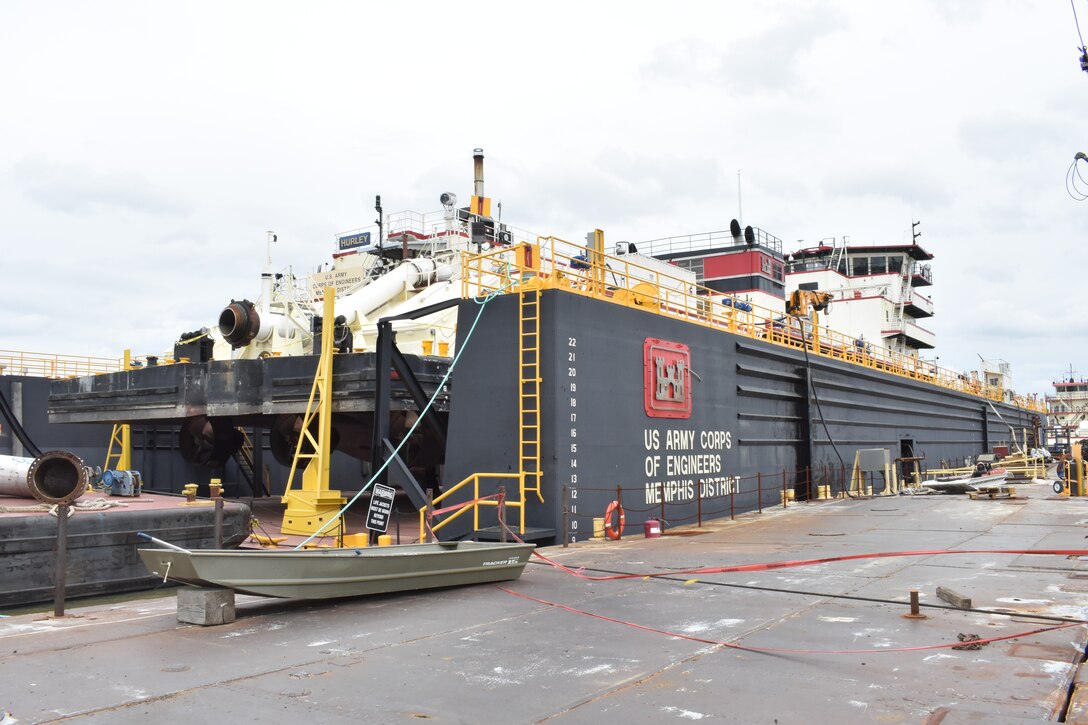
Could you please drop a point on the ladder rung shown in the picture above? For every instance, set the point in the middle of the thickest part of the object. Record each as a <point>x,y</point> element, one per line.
<point>529,380</point>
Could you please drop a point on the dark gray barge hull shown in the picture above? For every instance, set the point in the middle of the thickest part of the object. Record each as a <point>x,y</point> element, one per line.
<point>239,389</point>
<point>201,404</point>
<point>102,544</point>
<point>762,418</point>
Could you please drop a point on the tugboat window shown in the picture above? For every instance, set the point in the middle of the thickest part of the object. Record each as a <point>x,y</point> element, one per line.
<point>861,266</point>
<point>878,265</point>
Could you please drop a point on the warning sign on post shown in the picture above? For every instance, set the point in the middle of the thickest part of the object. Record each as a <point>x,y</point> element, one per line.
<point>381,506</point>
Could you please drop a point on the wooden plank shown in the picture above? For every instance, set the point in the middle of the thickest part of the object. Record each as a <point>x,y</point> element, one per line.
<point>954,598</point>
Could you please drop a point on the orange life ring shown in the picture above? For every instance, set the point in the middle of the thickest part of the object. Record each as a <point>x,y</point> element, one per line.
<point>611,533</point>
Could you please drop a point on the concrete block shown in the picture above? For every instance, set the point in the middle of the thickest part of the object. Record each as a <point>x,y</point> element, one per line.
<point>205,605</point>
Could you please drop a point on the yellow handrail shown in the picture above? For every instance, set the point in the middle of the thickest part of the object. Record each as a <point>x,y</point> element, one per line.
<point>474,479</point>
<point>634,285</point>
<point>247,447</point>
<point>51,365</point>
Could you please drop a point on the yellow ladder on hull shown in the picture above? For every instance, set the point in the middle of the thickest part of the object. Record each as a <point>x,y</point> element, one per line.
<point>529,391</point>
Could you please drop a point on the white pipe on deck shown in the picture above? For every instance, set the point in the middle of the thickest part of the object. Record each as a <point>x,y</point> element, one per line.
<point>413,273</point>
<point>13,476</point>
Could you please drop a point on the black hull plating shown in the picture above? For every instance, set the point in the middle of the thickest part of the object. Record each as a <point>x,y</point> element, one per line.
<point>763,417</point>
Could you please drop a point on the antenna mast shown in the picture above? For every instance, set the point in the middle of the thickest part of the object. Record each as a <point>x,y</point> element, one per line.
<point>740,215</point>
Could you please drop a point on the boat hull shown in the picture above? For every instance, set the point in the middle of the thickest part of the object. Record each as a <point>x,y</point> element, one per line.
<point>966,483</point>
<point>336,573</point>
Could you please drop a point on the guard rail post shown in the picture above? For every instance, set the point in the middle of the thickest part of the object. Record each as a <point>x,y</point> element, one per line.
<point>566,516</point>
<point>699,503</point>
<point>428,516</point>
<point>219,523</point>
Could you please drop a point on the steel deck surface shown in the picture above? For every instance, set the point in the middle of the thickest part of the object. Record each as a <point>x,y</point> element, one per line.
<point>480,655</point>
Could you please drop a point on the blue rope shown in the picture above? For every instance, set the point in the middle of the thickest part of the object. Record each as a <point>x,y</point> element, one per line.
<point>482,302</point>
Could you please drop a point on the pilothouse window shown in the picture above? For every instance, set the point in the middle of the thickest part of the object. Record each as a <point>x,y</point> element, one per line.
<point>695,265</point>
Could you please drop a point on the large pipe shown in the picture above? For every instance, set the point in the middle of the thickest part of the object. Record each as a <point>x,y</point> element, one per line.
<point>13,472</point>
<point>415,273</point>
<point>54,477</point>
<point>241,323</point>
<point>57,477</point>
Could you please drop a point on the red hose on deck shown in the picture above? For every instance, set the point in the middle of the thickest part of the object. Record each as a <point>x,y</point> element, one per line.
<point>776,650</point>
<point>768,566</point>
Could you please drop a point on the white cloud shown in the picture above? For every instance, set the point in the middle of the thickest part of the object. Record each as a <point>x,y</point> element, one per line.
<point>78,189</point>
<point>150,147</point>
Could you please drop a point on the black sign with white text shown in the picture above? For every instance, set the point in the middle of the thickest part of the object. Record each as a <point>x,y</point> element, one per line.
<point>381,505</point>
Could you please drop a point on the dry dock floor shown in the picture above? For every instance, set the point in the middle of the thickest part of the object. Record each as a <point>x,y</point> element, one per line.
<point>481,655</point>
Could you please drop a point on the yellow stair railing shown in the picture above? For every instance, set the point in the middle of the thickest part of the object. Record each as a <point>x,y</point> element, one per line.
<point>474,481</point>
<point>247,463</point>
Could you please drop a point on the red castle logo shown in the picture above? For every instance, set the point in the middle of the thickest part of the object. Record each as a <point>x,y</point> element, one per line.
<point>667,379</point>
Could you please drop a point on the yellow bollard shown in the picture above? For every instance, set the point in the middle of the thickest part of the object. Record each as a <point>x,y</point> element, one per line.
<point>444,349</point>
<point>385,540</point>
<point>598,528</point>
<point>428,347</point>
<point>356,541</point>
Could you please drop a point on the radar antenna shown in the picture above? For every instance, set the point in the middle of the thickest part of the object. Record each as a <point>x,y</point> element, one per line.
<point>1083,50</point>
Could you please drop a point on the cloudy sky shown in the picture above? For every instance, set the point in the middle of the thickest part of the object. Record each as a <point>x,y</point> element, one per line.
<point>149,146</point>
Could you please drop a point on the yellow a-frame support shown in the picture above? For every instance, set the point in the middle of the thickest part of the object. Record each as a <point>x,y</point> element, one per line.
<point>309,508</point>
<point>121,436</point>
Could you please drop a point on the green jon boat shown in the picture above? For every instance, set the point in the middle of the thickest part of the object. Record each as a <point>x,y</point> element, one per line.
<point>335,573</point>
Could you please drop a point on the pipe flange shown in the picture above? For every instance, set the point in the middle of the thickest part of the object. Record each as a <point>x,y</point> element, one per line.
<point>57,477</point>
<point>239,323</point>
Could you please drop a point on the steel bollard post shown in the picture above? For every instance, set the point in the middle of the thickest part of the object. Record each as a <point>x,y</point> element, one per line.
<point>60,577</point>
<point>219,523</point>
